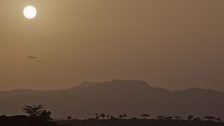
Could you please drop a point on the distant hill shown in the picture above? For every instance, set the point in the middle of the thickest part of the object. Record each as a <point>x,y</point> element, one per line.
<point>115,97</point>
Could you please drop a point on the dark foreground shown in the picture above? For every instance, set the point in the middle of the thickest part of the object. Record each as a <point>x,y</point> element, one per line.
<point>139,122</point>
<point>22,120</point>
<point>27,121</point>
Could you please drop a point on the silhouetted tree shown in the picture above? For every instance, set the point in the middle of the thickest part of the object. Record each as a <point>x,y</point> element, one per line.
<point>169,118</point>
<point>69,117</point>
<point>108,116</point>
<point>97,116</point>
<point>37,111</point>
<point>209,118</point>
<point>161,117</point>
<point>218,119</point>
<point>190,117</point>
<point>45,115</point>
<point>122,116</point>
<point>177,117</point>
<point>33,111</point>
<point>145,116</point>
<point>102,116</point>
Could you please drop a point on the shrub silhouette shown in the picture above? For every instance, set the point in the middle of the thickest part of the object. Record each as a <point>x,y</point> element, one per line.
<point>69,117</point>
<point>97,116</point>
<point>122,116</point>
<point>145,116</point>
<point>102,116</point>
<point>161,118</point>
<point>190,117</point>
<point>177,117</point>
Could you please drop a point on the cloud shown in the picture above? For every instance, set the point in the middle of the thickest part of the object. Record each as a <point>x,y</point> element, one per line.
<point>32,57</point>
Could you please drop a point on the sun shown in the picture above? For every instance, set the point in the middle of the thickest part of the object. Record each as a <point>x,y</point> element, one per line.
<point>30,12</point>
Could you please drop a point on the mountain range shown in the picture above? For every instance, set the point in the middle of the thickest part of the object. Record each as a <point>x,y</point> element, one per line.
<point>131,97</point>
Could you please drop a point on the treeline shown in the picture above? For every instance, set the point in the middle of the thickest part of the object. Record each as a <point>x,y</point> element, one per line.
<point>160,121</point>
<point>104,116</point>
<point>37,115</point>
<point>143,120</point>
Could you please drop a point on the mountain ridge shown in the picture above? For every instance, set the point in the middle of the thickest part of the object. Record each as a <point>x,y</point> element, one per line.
<point>114,97</point>
<point>89,83</point>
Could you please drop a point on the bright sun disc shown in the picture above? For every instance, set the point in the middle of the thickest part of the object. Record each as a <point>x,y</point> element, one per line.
<point>30,12</point>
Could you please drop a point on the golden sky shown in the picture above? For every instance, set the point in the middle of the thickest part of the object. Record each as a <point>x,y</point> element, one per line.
<point>169,43</point>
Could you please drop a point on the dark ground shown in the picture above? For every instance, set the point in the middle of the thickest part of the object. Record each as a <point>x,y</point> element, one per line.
<point>139,122</point>
<point>22,120</point>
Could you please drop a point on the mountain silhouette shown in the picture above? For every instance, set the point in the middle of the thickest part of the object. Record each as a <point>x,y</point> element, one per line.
<point>132,97</point>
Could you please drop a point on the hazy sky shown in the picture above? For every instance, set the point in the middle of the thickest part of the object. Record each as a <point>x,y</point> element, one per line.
<point>169,43</point>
